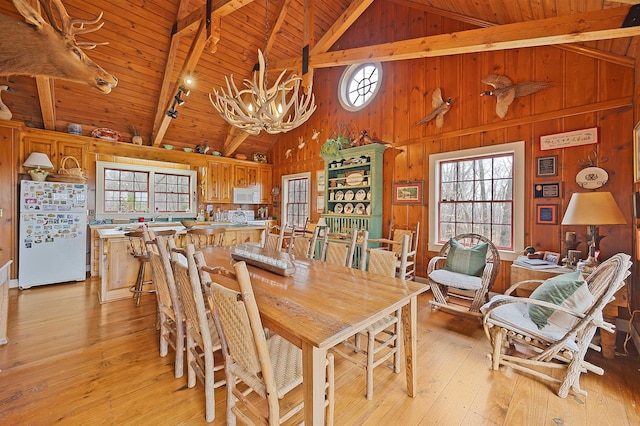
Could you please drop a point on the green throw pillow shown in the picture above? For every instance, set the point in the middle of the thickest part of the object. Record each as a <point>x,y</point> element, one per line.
<point>466,260</point>
<point>567,290</point>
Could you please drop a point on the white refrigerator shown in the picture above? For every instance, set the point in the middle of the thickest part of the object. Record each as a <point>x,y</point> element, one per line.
<point>53,233</point>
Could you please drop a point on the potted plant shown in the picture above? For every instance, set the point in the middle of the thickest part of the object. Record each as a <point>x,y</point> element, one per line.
<point>335,144</point>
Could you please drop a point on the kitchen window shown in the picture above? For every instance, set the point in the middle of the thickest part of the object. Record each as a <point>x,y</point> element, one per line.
<point>130,191</point>
<point>480,191</point>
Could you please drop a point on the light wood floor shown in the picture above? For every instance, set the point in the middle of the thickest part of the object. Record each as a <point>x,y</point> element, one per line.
<point>72,361</point>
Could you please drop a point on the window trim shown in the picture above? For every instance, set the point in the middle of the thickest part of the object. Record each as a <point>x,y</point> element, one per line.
<point>517,148</point>
<point>102,165</point>
<point>285,191</point>
<point>345,80</point>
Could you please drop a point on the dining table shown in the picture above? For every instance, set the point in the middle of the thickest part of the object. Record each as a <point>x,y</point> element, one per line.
<point>319,305</point>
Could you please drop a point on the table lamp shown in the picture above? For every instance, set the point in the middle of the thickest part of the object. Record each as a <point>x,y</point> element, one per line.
<point>40,161</point>
<point>592,209</point>
<point>322,224</point>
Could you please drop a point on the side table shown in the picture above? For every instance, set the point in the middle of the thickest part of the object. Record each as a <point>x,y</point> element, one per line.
<point>610,312</point>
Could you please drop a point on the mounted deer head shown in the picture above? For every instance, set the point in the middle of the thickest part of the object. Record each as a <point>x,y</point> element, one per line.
<point>38,48</point>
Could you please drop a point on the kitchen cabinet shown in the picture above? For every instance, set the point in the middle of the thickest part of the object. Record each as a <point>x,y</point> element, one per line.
<point>266,175</point>
<point>56,146</point>
<point>219,178</point>
<point>245,175</point>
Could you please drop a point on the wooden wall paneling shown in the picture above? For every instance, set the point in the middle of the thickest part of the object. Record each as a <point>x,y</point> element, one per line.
<point>8,191</point>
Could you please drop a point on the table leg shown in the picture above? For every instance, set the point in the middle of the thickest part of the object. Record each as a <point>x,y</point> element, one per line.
<point>314,373</point>
<point>409,332</point>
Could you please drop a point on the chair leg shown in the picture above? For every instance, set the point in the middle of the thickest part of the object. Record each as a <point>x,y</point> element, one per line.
<point>137,289</point>
<point>439,294</point>
<point>497,347</point>
<point>397,328</point>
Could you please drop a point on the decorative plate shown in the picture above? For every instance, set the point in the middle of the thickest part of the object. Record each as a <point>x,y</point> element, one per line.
<point>348,195</point>
<point>369,210</point>
<point>107,134</point>
<point>592,177</point>
<point>354,179</point>
<point>361,195</point>
<point>348,209</point>
<point>338,208</point>
<point>369,195</point>
<point>339,195</point>
<point>259,157</point>
<point>360,208</point>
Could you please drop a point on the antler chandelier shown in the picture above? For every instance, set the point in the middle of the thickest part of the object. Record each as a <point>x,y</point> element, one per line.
<point>257,108</point>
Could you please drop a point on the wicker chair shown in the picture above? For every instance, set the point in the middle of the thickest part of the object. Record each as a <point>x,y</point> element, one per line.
<point>203,237</point>
<point>383,337</point>
<point>273,240</point>
<point>457,292</point>
<point>338,249</point>
<point>202,338</point>
<point>271,367</point>
<point>171,318</point>
<point>302,245</point>
<point>509,327</point>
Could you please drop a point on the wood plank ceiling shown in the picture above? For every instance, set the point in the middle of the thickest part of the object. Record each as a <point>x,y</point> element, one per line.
<point>150,58</point>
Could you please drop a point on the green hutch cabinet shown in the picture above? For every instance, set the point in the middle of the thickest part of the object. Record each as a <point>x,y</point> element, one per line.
<point>353,189</point>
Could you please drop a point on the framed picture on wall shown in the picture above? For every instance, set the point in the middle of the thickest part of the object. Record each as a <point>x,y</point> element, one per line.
<point>547,166</point>
<point>408,192</point>
<point>547,214</point>
<point>320,180</point>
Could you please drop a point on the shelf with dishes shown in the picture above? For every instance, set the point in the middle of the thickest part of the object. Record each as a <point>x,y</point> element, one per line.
<point>349,164</point>
<point>350,208</point>
<point>352,179</point>
<point>355,194</point>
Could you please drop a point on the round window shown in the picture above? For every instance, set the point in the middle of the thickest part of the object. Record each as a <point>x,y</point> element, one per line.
<point>359,84</point>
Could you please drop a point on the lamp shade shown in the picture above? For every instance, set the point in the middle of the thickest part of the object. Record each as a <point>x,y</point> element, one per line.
<point>593,208</point>
<point>322,223</point>
<point>39,160</point>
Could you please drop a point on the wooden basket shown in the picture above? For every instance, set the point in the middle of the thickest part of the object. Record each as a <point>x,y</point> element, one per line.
<point>71,174</point>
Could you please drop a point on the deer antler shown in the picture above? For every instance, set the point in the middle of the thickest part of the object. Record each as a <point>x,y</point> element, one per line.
<point>71,26</point>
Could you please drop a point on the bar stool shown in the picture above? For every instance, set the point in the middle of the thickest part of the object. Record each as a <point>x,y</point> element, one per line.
<point>138,249</point>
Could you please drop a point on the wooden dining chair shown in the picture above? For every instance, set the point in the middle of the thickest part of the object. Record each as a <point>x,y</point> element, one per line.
<point>270,367</point>
<point>384,336</point>
<point>202,340</point>
<point>138,249</point>
<point>406,265</point>
<point>338,249</point>
<point>205,237</point>
<point>274,237</point>
<point>303,245</point>
<point>170,313</point>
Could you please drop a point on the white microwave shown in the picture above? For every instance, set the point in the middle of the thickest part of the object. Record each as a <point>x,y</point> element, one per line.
<point>246,196</point>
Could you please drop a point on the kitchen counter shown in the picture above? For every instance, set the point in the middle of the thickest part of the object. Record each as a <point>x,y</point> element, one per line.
<point>118,270</point>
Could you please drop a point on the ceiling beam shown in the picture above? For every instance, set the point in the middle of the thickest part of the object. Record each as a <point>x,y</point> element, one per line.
<point>46,97</point>
<point>588,26</point>
<point>197,47</point>
<point>233,140</point>
<point>342,24</point>
<point>205,35</point>
<point>577,48</point>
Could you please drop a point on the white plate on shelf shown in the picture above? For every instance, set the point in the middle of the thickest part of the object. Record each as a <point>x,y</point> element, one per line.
<point>355,179</point>
<point>368,210</point>
<point>339,195</point>
<point>360,208</point>
<point>348,195</point>
<point>361,195</point>
<point>337,208</point>
<point>369,195</point>
<point>348,209</point>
